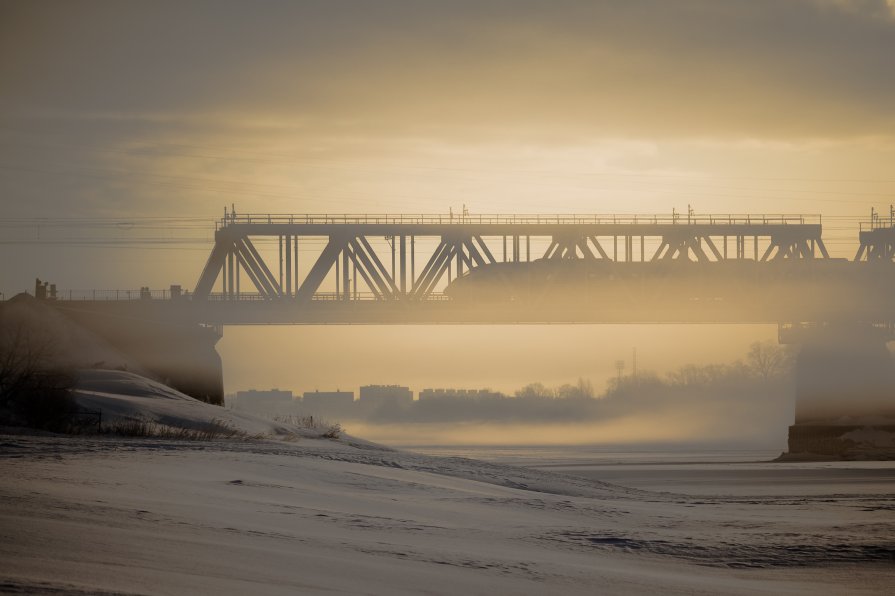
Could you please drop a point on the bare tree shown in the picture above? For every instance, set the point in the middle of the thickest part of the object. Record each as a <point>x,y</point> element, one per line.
<point>535,391</point>
<point>768,360</point>
<point>34,389</point>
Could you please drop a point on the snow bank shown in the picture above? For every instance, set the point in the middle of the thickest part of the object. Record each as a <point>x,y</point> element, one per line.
<point>112,515</point>
<point>118,515</point>
<point>124,396</point>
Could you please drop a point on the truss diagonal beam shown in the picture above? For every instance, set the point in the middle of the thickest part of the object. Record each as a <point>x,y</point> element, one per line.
<point>585,249</point>
<point>362,270</point>
<point>549,253</point>
<point>438,271</point>
<point>216,262</point>
<point>599,247</point>
<point>430,265</point>
<point>485,250</point>
<point>681,247</point>
<point>474,254</point>
<point>240,257</point>
<point>368,263</point>
<point>383,272</point>
<point>434,271</point>
<point>433,263</point>
<point>321,267</point>
<point>265,279</point>
<point>462,257</point>
<point>711,244</point>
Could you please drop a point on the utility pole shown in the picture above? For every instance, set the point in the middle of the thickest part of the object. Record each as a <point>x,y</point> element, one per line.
<point>619,367</point>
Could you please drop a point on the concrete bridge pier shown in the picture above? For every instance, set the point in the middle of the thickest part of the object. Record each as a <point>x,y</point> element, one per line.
<point>180,353</point>
<point>142,336</point>
<point>845,392</point>
<point>184,358</point>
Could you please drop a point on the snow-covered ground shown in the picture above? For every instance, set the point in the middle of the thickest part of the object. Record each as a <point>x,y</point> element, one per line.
<point>295,514</point>
<point>123,396</point>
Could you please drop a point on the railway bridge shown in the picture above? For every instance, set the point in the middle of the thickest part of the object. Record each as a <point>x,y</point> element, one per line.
<point>331,269</point>
<point>516,269</point>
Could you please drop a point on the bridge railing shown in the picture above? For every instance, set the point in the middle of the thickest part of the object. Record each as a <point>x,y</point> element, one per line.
<point>113,295</point>
<point>738,219</point>
<point>127,295</point>
<point>877,224</point>
<point>318,297</point>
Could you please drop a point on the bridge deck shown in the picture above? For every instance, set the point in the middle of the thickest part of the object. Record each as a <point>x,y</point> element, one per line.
<point>537,224</point>
<point>673,292</point>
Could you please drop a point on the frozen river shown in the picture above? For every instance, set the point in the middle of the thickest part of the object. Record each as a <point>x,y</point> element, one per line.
<point>692,471</point>
<point>106,515</point>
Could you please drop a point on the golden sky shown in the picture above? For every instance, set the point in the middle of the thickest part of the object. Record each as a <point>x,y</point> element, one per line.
<point>116,112</point>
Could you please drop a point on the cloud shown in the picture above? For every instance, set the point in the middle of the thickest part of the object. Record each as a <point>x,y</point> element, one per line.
<point>873,8</point>
<point>468,70</point>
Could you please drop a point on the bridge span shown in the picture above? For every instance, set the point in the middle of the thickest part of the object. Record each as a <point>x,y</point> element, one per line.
<point>563,269</point>
<point>462,243</point>
<point>394,269</point>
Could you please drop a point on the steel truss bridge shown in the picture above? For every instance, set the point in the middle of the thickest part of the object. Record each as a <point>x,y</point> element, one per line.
<point>461,241</point>
<point>528,269</point>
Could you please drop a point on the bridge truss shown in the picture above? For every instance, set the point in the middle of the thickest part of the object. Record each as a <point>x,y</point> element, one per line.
<point>425,252</point>
<point>877,238</point>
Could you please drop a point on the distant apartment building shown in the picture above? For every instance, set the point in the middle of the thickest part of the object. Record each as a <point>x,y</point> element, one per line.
<point>327,398</point>
<point>328,403</point>
<point>451,393</point>
<point>382,394</point>
<point>271,400</point>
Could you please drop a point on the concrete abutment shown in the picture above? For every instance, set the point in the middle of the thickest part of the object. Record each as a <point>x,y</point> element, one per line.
<point>182,356</point>
<point>845,393</point>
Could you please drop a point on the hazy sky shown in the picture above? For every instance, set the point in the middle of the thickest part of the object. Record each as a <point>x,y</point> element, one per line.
<point>117,112</point>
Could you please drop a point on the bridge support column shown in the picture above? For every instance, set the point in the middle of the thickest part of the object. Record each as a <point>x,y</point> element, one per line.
<point>185,359</point>
<point>845,393</point>
<point>403,265</point>
<point>180,354</point>
<point>288,265</point>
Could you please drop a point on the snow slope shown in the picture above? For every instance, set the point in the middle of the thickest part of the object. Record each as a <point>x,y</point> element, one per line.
<point>110,515</point>
<point>123,396</point>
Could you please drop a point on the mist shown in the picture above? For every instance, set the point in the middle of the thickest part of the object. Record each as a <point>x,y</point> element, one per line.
<point>447,296</point>
<point>497,357</point>
<point>755,420</point>
<point>749,402</point>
